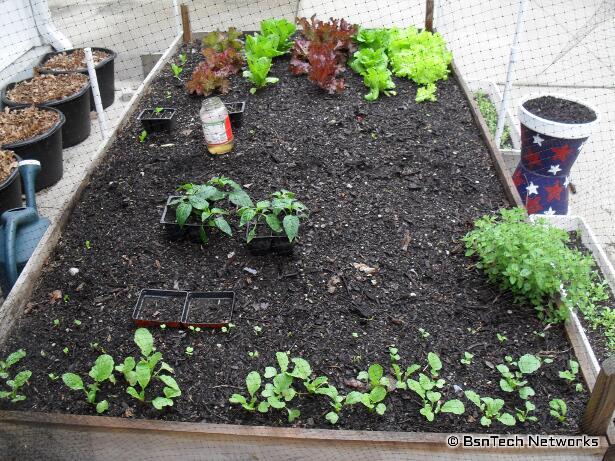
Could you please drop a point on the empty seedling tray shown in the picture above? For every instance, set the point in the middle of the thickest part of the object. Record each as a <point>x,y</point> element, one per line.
<point>209,309</point>
<point>160,307</point>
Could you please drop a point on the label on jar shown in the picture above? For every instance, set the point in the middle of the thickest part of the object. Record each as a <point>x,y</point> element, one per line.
<point>217,133</point>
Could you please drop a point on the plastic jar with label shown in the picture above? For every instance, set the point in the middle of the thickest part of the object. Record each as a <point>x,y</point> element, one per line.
<point>216,126</point>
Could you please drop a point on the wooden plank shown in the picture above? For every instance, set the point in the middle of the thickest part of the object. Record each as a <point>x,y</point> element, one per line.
<point>96,437</point>
<point>599,412</point>
<point>15,302</point>
<point>429,6</point>
<point>187,30</point>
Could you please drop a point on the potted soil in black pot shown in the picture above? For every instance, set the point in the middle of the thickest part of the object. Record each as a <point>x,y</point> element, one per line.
<point>10,183</point>
<point>158,119</point>
<point>35,133</point>
<point>69,93</point>
<point>68,61</point>
<point>273,225</point>
<point>235,112</point>
<point>554,129</point>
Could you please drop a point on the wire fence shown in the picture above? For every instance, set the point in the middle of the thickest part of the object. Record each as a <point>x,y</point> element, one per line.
<point>565,47</point>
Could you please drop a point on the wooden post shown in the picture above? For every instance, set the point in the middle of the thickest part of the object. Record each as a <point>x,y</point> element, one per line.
<point>186,23</point>
<point>599,411</point>
<point>429,15</point>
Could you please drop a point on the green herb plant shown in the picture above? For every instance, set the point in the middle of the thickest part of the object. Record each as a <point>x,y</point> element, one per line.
<point>491,409</point>
<point>101,371</point>
<point>18,381</point>
<point>490,114</point>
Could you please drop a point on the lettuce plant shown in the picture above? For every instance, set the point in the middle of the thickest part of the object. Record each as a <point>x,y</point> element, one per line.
<point>378,80</point>
<point>283,212</point>
<point>101,371</point>
<point>220,40</point>
<point>18,381</point>
<point>258,69</point>
<point>375,39</point>
<point>281,28</point>
<point>263,45</point>
<point>213,73</point>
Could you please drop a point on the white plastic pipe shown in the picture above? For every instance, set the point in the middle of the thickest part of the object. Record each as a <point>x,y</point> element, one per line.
<point>178,16</point>
<point>102,118</point>
<point>510,72</point>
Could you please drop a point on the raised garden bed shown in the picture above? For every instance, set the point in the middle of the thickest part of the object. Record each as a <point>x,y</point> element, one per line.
<point>392,187</point>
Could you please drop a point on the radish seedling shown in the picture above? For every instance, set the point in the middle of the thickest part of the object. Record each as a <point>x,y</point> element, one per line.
<point>18,381</point>
<point>101,371</point>
<point>491,409</point>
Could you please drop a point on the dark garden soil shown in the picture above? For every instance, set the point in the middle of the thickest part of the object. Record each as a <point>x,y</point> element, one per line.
<point>393,185</point>
<point>75,60</point>
<point>21,124</point>
<point>8,163</point>
<point>47,88</point>
<point>560,110</point>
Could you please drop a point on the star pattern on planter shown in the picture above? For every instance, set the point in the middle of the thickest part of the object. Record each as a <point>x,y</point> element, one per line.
<point>533,159</point>
<point>549,212</point>
<point>561,153</point>
<point>567,181</point>
<point>538,140</point>
<point>532,189</point>
<point>554,192</point>
<point>554,169</point>
<point>517,178</point>
<point>533,205</point>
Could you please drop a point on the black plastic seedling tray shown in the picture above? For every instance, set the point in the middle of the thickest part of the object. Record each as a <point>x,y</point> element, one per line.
<point>235,112</point>
<point>160,307</point>
<point>213,309</point>
<point>189,230</point>
<point>163,121</point>
<point>268,242</point>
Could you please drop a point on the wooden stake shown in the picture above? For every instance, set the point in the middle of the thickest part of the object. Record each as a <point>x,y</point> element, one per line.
<point>599,411</point>
<point>186,23</point>
<point>429,15</point>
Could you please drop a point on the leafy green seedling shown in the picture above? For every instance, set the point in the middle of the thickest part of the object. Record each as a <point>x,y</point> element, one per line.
<point>101,371</point>
<point>524,415</point>
<point>374,376</point>
<point>143,136</point>
<point>65,350</point>
<point>501,337</point>
<point>467,358</point>
<point>280,391</point>
<point>571,374</point>
<point>66,298</point>
<point>400,376</point>
<point>228,328</point>
<point>88,245</point>
<point>189,351</point>
<point>257,330</point>
<point>372,400</point>
<point>77,322</point>
<point>53,376</point>
<point>559,410</point>
<point>435,364</point>
<point>163,326</point>
<point>253,354</point>
<point>335,400</point>
<point>253,384</point>
<point>182,58</point>
<point>177,70</point>
<point>491,409</point>
<point>18,381</point>
<point>512,381</point>
<point>194,329</point>
<point>424,333</point>
<point>168,95</point>
<point>56,322</point>
<point>426,388</point>
<point>158,110</point>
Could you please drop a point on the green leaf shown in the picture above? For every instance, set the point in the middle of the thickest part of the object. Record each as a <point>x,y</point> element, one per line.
<point>253,382</point>
<point>473,397</point>
<point>13,358</point>
<point>273,222</point>
<point>377,394</point>
<point>416,387</point>
<point>375,372</point>
<point>528,363</point>
<point>73,381</point>
<point>427,412</point>
<point>332,417</point>
<point>169,381</point>
<point>293,414</point>
<point>240,198</point>
<point>433,397</point>
<point>270,372</point>
<point>223,225</point>
<point>133,392</point>
<point>182,213</point>
<point>237,398</point>
<point>381,408</point>
<point>526,392</point>
<point>247,215</point>
<point>505,386</point>
<point>282,358</point>
<point>507,419</point>
<point>198,202</point>
<point>263,407</point>
<point>434,362</point>
<point>102,406</point>
<point>291,226</point>
<point>275,402</point>
<point>454,406</point>
<point>353,398</point>
<point>302,369</point>
<point>485,421</point>
<point>102,369</point>
<point>144,374</point>
<point>145,341</point>
<point>160,402</point>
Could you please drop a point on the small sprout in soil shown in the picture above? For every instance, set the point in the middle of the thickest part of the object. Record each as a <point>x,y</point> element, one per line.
<point>182,58</point>
<point>355,334</point>
<point>559,410</point>
<point>280,390</point>
<point>372,400</point>
<point>400,376</point>
<point>66,298</point>
<point>253,384</point>
<point>88,245</point>
<point>501,337</point>
<point>467,358</point>
<point>94,346</point>
<point>540,334</point>
<point>253,354</point>
<point>228,328</point>
<point>43,353</point>
<point>56,322</point>
<point>77,322</point>
<point>177,70</point>
<point>194,329</point>
<point>53,376</point>
<point>424,333</point>
<point>189,351</point>
<point>374,376</point>
<point>65,350</point>
<point>435,364</point>
<point>168,94</point>
<point>335,400</point>
<point>18,381</point>
<point>101,371</point>
<point>524,415</point>
<point>571,374</point>
<point>257,330</point>
<point>143,136</point>
<point>163,326</point>
<point>426,389</point>
<point>356,359</point>
<point>158,110</point>
<point>491,409</point>
<point>374,135</point>
<point>512,381</point>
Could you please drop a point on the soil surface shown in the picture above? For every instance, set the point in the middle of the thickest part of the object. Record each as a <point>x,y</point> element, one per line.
<point>47,88</point>
<point>391,185</point>
<point>74,60</point>
<point>8,163</point>
<point>22,124</point>
<point>560,110</point>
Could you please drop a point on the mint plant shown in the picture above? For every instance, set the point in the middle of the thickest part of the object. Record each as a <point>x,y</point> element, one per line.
<point>491,409</point>
<point>571,375</point>
<point>101,371</point>
<point>142,373</point>
<point>513,380</point>
<point>282,213</point>
<point>18,381</point>
<point>533,261</point>
<point>558,409</point>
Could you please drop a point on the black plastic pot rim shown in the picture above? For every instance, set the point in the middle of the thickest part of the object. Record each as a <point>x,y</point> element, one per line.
<point>55,102</point>
<point>142,117</point>
<point>112,55</point>
<point>271,233</point>
<point>8,181</point>
<point>167,207</point>
<point>40,137</point>
<point>241,109</point>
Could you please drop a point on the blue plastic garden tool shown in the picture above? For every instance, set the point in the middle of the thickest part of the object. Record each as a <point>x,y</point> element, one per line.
<point>21,229</point>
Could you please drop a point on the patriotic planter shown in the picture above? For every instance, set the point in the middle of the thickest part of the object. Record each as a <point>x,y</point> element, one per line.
<point>548,151</point>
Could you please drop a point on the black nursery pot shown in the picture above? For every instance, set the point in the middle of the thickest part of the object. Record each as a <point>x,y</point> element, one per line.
<point>189,231</point>
<point>47,149</point>
<point>266,241</point>
<point>235,111</point>
<point>76,110</point>
<point>105,74</point>
<point>10,191</point>
<point>162,121</point>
